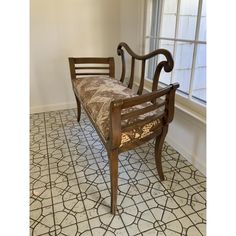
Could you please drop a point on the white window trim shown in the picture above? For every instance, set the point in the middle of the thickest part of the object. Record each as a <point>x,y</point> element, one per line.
<point>191,107</point>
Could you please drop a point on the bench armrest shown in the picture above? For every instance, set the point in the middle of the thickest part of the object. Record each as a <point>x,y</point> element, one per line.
<point>165,115</point>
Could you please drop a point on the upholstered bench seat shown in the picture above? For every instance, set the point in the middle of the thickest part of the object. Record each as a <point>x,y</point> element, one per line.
<point>96,94</point>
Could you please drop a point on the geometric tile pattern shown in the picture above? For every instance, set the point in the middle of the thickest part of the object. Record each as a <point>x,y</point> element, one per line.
<point>70,185</point>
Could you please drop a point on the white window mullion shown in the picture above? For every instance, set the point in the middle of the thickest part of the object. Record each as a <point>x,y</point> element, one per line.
<point>176,39</point>
<point>176,32</point>
<point>147,30</point>
<point>195,48</point>
<point>159,25</point>
<point>184,40</point>
<point>153,31</point>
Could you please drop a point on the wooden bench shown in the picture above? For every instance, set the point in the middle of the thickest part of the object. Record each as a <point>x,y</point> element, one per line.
<point>122,118</point>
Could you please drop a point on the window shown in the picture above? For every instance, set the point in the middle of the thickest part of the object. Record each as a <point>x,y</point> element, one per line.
<point>180,27</point>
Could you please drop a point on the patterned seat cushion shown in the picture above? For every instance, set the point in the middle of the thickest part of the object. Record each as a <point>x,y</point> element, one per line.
<point>96,94</point>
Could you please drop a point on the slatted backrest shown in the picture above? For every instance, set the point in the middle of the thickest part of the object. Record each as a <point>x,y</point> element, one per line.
<point>86,66</point>
<point>168,65</point>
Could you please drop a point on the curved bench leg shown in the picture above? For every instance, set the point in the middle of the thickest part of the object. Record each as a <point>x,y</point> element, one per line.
<point>78,108</point>
<point>113,163</point>
<point>158,148</point>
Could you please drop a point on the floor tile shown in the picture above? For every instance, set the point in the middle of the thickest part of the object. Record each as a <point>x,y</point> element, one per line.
<point>70,185</point>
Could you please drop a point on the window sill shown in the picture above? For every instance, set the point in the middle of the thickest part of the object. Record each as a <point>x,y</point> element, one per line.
<point>195,114</point>
<point>192,108</point>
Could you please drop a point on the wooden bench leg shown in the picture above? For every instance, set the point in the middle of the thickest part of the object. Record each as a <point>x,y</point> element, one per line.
<point>113,163</point>
<point>158,148</point>
<point>78,108</point>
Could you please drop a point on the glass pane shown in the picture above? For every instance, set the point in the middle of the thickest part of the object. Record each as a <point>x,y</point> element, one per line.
<point>168,26</point>
<point>170,6</point>
<point>183,64</point>
<point>168,20</point>
<point>168,45</point>
<point>189,7</point>
<point>199,82</point>
<point>204,8</point>
<point>187,19</point>
<point>202,29</point>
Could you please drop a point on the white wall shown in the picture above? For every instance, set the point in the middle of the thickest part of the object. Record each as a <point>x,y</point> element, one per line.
<point>188,136</point>
<point>131,20</point>
<point>64,28</point>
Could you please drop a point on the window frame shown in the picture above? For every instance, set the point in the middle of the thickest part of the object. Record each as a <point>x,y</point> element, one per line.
<point>187,103</point>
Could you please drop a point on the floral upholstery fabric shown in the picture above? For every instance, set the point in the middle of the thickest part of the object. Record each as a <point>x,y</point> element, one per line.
<point>96,94</point>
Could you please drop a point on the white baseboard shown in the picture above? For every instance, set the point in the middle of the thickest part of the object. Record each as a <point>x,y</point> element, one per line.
<point>52,107</point>
<point>191,158</point>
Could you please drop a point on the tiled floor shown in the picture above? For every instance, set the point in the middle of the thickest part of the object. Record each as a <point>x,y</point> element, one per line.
<point>70,185</point>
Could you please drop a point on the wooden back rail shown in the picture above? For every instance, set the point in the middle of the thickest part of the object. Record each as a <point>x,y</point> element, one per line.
<point>109,67</point>
<point>167,65</point>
